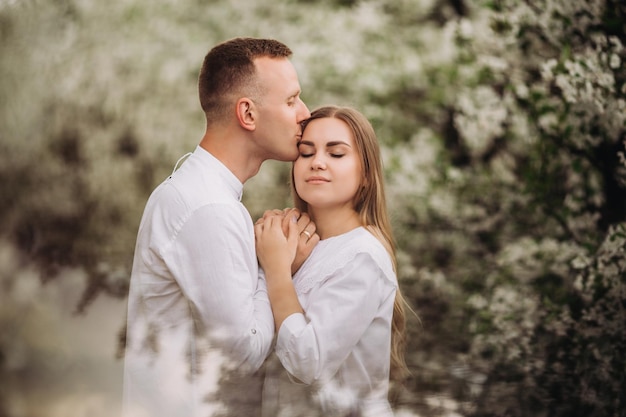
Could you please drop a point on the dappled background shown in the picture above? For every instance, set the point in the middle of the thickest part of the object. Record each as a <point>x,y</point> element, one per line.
<point>502,125</point>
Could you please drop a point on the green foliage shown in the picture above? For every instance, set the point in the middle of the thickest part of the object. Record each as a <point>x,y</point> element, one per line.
<point>502,125</point>
<point>565,77</point>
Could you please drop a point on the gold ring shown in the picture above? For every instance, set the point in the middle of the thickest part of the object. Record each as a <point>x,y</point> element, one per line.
<point>308,235</point>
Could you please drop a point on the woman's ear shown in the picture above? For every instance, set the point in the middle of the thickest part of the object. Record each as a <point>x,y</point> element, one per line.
<point>246,113</point>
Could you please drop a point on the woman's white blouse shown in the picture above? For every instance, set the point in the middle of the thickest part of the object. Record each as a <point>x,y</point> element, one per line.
<point>341,345</point>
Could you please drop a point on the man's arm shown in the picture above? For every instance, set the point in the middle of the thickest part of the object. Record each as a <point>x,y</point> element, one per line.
<point>213,259</point>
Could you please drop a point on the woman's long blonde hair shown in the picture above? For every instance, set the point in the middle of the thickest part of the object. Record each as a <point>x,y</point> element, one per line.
<point>371,205</point>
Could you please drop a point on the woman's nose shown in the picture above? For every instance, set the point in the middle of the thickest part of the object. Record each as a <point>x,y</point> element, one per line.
<point>318,162</point>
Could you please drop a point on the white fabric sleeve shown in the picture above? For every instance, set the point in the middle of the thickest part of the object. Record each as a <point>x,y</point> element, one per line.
<point>216,268</point>
<point>313,346</point>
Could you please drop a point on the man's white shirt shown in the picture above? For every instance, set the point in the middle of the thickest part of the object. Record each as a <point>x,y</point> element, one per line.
<point>196,303</point>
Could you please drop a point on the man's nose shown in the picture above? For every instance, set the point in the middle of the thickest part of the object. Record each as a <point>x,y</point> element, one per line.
<point>304,112</point>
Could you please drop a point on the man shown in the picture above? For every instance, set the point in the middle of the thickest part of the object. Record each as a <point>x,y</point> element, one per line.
<point>197,309</point>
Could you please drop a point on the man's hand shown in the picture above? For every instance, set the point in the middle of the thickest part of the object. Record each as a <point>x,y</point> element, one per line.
<point>307,240</point>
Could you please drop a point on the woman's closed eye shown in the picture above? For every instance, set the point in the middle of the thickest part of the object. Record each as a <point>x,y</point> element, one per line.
<point>310,154</point>
<point>306,150</point>
<point>333,149</point>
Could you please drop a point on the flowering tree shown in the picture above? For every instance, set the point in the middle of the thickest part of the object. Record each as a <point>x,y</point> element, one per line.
<point>525,216</point>
<point>569,84</point>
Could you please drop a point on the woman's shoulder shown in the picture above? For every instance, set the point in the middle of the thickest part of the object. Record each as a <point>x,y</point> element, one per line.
<point>366,245</point>
<point>334,254</point>
<point>348,245</point>
<point>361,241</point>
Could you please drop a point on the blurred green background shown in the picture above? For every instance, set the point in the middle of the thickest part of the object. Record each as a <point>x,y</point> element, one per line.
<point>502,125</point>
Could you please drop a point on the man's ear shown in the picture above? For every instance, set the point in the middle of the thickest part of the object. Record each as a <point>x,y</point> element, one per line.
<point>246,113</point>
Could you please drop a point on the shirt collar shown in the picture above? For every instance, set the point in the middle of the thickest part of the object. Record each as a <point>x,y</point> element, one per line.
<point>215,165</point>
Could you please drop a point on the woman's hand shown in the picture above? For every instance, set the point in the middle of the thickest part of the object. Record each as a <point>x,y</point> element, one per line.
<point>276,249</point>
<point>308,237</point>
<point>276,253</point>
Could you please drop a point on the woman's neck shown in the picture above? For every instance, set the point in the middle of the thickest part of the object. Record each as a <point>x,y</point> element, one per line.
<point>336,222</point>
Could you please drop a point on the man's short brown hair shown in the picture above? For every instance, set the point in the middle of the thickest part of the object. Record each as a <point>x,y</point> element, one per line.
<point>228,70</point>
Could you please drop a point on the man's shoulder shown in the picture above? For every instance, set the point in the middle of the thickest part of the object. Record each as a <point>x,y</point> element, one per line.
<point>197,190</point>
<point>174,203</point>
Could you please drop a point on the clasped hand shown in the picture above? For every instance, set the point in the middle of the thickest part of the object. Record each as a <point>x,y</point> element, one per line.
<point>284,237</point>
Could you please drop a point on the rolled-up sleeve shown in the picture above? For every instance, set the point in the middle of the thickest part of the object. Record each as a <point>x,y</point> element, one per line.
<point>313,346</point>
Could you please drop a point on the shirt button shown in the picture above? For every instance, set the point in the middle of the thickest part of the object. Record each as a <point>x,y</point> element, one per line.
<point>253,331</point>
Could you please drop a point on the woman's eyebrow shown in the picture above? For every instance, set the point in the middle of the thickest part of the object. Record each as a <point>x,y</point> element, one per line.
<point>337,143</point>
<point>328,144</point>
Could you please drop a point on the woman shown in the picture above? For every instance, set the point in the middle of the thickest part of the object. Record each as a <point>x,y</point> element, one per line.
<point>340,320</point>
